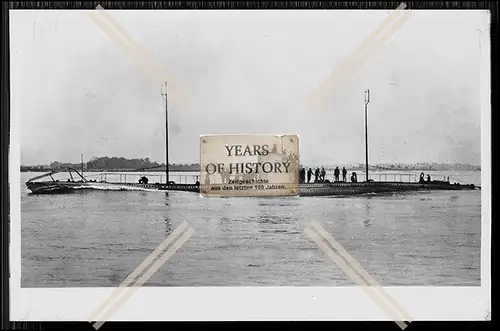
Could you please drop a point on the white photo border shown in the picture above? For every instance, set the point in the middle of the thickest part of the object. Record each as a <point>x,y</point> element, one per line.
<point>259,303</point>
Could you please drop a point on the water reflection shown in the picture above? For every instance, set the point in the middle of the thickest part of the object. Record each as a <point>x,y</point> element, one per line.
<point>168,226</point>
<point>368,214</point>
<point>268,218</point>
<point>278,201</point>
<point>167,220</point>
<point>115,277</point>
<point>229,238</point>
<point>236,235</point>
<point>225,224</point>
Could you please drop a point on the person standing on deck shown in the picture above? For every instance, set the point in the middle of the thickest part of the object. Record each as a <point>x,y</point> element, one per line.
<point>316,175</point>
<point>354,178</point>
<point>302,175</point>
<point>309,174</point>
<point>336,173</point>
<point>323,174</point>
<point>344,174</point>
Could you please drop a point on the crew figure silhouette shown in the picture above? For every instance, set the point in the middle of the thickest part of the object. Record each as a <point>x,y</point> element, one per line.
<point>302,175</point>
<point>336,173</point>
<point>354,178</point>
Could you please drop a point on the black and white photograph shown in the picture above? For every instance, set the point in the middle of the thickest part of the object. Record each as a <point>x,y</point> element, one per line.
<point>390,112</point>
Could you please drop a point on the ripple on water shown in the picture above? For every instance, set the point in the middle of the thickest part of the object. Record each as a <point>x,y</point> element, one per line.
<point>98,238</point>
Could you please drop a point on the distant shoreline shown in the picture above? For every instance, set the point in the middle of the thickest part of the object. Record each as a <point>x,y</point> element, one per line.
<point>121,164</point>
<point>33,169</point>
<point>116,170</point>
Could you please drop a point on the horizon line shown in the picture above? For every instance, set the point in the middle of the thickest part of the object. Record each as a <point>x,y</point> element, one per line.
<point>305,163</point>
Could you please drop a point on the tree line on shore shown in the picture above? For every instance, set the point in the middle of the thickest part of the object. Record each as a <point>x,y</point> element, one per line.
<point>144,164</point>
<point>114,163</point>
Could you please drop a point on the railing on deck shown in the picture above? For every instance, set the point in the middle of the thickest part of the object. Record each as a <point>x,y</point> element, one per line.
<point>377,177</point>
<point>116,177</point>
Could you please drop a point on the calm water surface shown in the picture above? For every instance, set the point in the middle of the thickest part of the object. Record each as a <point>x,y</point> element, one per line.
<point>96,238</point>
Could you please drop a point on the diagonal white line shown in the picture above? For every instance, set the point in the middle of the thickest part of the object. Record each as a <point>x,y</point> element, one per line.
<point>144,278</point>
<point>346,66</point>
<point>137,52</point>
<point>359,277</point>
<point>173,236</point>
<point>356,64</point>
<point>361,48</point>
<point>354,277</point>
<point>119,29</point>
<point>356,266</point>
<point>118,32</point>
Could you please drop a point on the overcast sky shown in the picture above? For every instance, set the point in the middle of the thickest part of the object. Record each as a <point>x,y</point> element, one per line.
<point>247,72</point>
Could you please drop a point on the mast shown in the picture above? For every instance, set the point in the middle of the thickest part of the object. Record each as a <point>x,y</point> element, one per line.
<point>367,100</point>
<point>81,160</point>
<point>164,93</point>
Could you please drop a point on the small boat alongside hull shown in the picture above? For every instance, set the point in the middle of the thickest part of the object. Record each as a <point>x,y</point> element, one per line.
<point>305,189</point>
<point>55,187</point>
<point>71,187</point>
